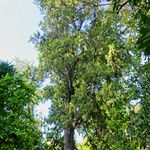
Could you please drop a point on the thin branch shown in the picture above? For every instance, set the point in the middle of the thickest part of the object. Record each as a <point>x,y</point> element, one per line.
<point>96,5</point>
<point>60,71</point>
<point>121,6</point>
<point>73,65</point>
<point>122,32</point>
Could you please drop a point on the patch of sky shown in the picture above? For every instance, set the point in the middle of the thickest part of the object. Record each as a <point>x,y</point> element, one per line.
<point>42,110</point>
<point>19,20</point>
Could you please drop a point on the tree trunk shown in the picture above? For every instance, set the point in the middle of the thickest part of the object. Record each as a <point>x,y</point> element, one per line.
<point>69,138</point>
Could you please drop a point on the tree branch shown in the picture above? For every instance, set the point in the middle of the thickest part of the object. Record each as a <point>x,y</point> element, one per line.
<point>121,6</point>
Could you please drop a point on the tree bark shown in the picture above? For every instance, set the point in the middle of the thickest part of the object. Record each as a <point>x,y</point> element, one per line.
<point>69,138</point>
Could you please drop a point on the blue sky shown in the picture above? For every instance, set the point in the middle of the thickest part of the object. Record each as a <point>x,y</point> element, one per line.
<point>19,19</point>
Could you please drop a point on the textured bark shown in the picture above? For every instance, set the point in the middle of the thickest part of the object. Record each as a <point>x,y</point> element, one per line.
<point>69,130</point>
<point>69,138</point>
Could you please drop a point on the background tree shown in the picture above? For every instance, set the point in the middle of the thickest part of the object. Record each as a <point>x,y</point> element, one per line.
<point>18,127</point>
<point>6,68</point>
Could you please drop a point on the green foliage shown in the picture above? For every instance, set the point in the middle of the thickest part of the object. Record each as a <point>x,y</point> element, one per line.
<point>18,127</point>
<point>6,68</point>
<point>85,145</point>
<point>141,11</point>
<point>91,57</point>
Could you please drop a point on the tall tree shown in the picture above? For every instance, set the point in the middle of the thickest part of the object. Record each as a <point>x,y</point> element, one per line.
<point>89,54</point>
<point>72,50</point>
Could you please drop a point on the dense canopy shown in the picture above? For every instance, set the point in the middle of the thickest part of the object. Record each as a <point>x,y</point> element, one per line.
<point>18,128</point>
<point>94,65</point>
<point>98,68</point>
